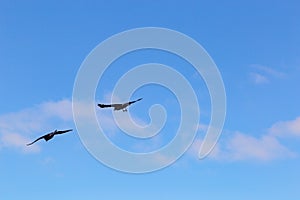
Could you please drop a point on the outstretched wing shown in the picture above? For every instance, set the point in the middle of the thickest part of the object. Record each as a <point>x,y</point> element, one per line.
<point>104,105</point>
<point>36,140</point>
<point>45,137</point>
<point>110,105</point>
<point>61,132</point>
<point>131,102</point>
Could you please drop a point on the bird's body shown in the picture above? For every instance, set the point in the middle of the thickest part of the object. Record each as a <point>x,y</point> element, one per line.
<point>119,106</point>
<point>49,136</point>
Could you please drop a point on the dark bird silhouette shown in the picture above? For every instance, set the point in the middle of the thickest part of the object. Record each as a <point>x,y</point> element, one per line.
<point>49,136</point>
<point>119,106</point>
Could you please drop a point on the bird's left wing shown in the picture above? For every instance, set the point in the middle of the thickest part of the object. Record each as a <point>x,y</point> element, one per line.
<point>35,140</point>
<point>65,131</point>
<point>130,102</point>
<point>104,105</point>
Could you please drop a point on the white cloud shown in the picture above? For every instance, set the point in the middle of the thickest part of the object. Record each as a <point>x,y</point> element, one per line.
<point>286,128</point>
<point>17,141</point>
<point>18,128</point>
<point>246,147</point>
<point>235,146</point>
<point>61,109</point>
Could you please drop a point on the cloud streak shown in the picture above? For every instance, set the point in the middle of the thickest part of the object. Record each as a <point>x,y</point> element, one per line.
<point>259,78</point>
<point>264,74</point>
<point>269,71</point>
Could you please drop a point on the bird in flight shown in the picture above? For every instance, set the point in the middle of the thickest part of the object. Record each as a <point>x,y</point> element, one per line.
<point>49,136</point>
<point>119,106</point>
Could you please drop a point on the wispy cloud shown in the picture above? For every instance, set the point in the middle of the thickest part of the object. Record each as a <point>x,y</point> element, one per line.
<point>262,74</point>
<point>286,128</point>
<point>259,78</point>
<point>245,147</point>
<point>18,128</point>
<point>269,71</point>
<point>17,141</point>
<point>60,109</point>
<point>238,146</point>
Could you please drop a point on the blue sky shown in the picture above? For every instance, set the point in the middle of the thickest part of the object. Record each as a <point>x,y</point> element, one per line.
<point>256,47</point>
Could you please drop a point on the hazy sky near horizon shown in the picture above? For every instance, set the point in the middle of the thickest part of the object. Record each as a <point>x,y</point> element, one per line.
<point>255,46</point>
